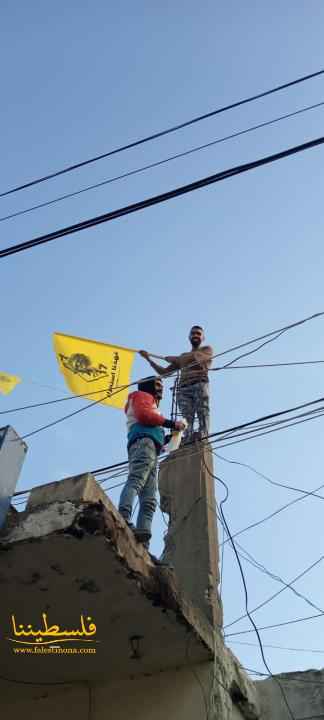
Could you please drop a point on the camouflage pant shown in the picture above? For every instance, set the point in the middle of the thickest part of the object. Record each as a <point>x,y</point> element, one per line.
<point>192,400</point>
<point>142,481</point>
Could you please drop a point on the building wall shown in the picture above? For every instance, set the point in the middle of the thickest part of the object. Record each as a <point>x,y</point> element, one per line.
<point>304,693</point>
<point>178,695</point>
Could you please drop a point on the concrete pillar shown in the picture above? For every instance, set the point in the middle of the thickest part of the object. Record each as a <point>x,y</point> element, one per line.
<point>191,543</point>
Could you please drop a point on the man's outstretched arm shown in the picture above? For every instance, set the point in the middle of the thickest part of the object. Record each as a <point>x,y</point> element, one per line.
<point>159,368</point>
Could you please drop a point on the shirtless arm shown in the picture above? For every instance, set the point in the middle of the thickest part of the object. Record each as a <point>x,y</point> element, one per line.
<point>158,368</point>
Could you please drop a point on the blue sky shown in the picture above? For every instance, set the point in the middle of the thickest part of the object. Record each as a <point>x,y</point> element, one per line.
<point>241,258</point>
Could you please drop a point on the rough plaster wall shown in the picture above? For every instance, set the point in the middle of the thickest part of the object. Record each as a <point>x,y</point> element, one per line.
<point>178,695</point>
<point>304,692</point>
<point>191,545</point>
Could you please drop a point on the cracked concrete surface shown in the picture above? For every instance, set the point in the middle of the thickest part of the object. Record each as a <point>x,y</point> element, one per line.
<point>70,553</point>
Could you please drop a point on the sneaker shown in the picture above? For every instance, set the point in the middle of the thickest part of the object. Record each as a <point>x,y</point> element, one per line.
<point>142,536</point>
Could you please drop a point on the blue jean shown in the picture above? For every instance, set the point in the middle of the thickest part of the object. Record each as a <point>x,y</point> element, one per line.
<point>142,481</point>
<point>194,399</point>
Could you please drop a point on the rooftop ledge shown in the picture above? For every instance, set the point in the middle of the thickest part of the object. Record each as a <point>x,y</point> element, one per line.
<point>70,554</point>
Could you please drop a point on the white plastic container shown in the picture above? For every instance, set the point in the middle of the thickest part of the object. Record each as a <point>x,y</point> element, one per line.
<point>176,437</point>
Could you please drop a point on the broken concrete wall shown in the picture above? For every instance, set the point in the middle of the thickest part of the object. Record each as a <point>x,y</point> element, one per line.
<point>187,493</point>
<point>299,695</point>
<point>70,552</point>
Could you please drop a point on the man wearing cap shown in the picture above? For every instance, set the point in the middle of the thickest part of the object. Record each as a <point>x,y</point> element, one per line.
<point>193,389</point>
<point>146,438</point>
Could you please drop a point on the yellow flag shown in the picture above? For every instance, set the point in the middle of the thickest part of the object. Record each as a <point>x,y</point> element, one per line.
<point>94,369</point>
<point>8,382</point>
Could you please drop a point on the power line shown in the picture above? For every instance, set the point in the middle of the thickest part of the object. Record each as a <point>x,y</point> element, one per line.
<point>286,585</point>
<point>212,435</point>
<point>52,402</point>
<point>257,434</point>
<point>162,197</point>
<point>248,557</point>
<point>273,332</point>
<point>235,428</point>
<point>59,420</point>
<point>279,647</point>
<point>245,555</point>
<point>283,425</point>
<point>277,332</point>
<point>285,328</point>
<point>256,429</point>
<point>162,133</point>
<point>276,512</point>
<point>262,568</point>
<point>272,597</point>
<point>251,352</point>
<point>277,625</point>
<point>105,469</point>
<point>268,365</point>
<point>32,406</point>
<point>248,613</point>
<point>159,163</point>
<point>267,478</point>
<point>252,561</point>
<point>122,466</point>
<point>76,412</point>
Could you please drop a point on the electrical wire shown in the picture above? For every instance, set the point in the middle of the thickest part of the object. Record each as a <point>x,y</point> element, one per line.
<point>159,163</point>
<point>222,565</point>
<point>253,630</point>
<point>250,352</point>
<point>268,334</point>
<point>193,451</point>
<point>171,374</point>
<point>59,420</point>
<point>252,561</point>
<point>275,595</point>
<point>92,472</point>
<point>277,625</point>
<point>104,469</point>
<point>248,613</point>
<point>267,365</point>
<point>279,647</point>
<point>53,402</point>
<point>286,421</point>
<point>162,133</point>
<point>263,569</point>
<point>270,416</point>
<point>244,344</point>
<point>227,432</point>
<point>275,429</point>
<point>162,197</point>
<point>267,478</point>
<point>275,513</point>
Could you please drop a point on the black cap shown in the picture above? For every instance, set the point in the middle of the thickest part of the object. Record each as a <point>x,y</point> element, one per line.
<point>149,385</point>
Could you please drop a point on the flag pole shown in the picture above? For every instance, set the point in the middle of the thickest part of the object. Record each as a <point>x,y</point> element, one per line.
<point>158,357</point>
